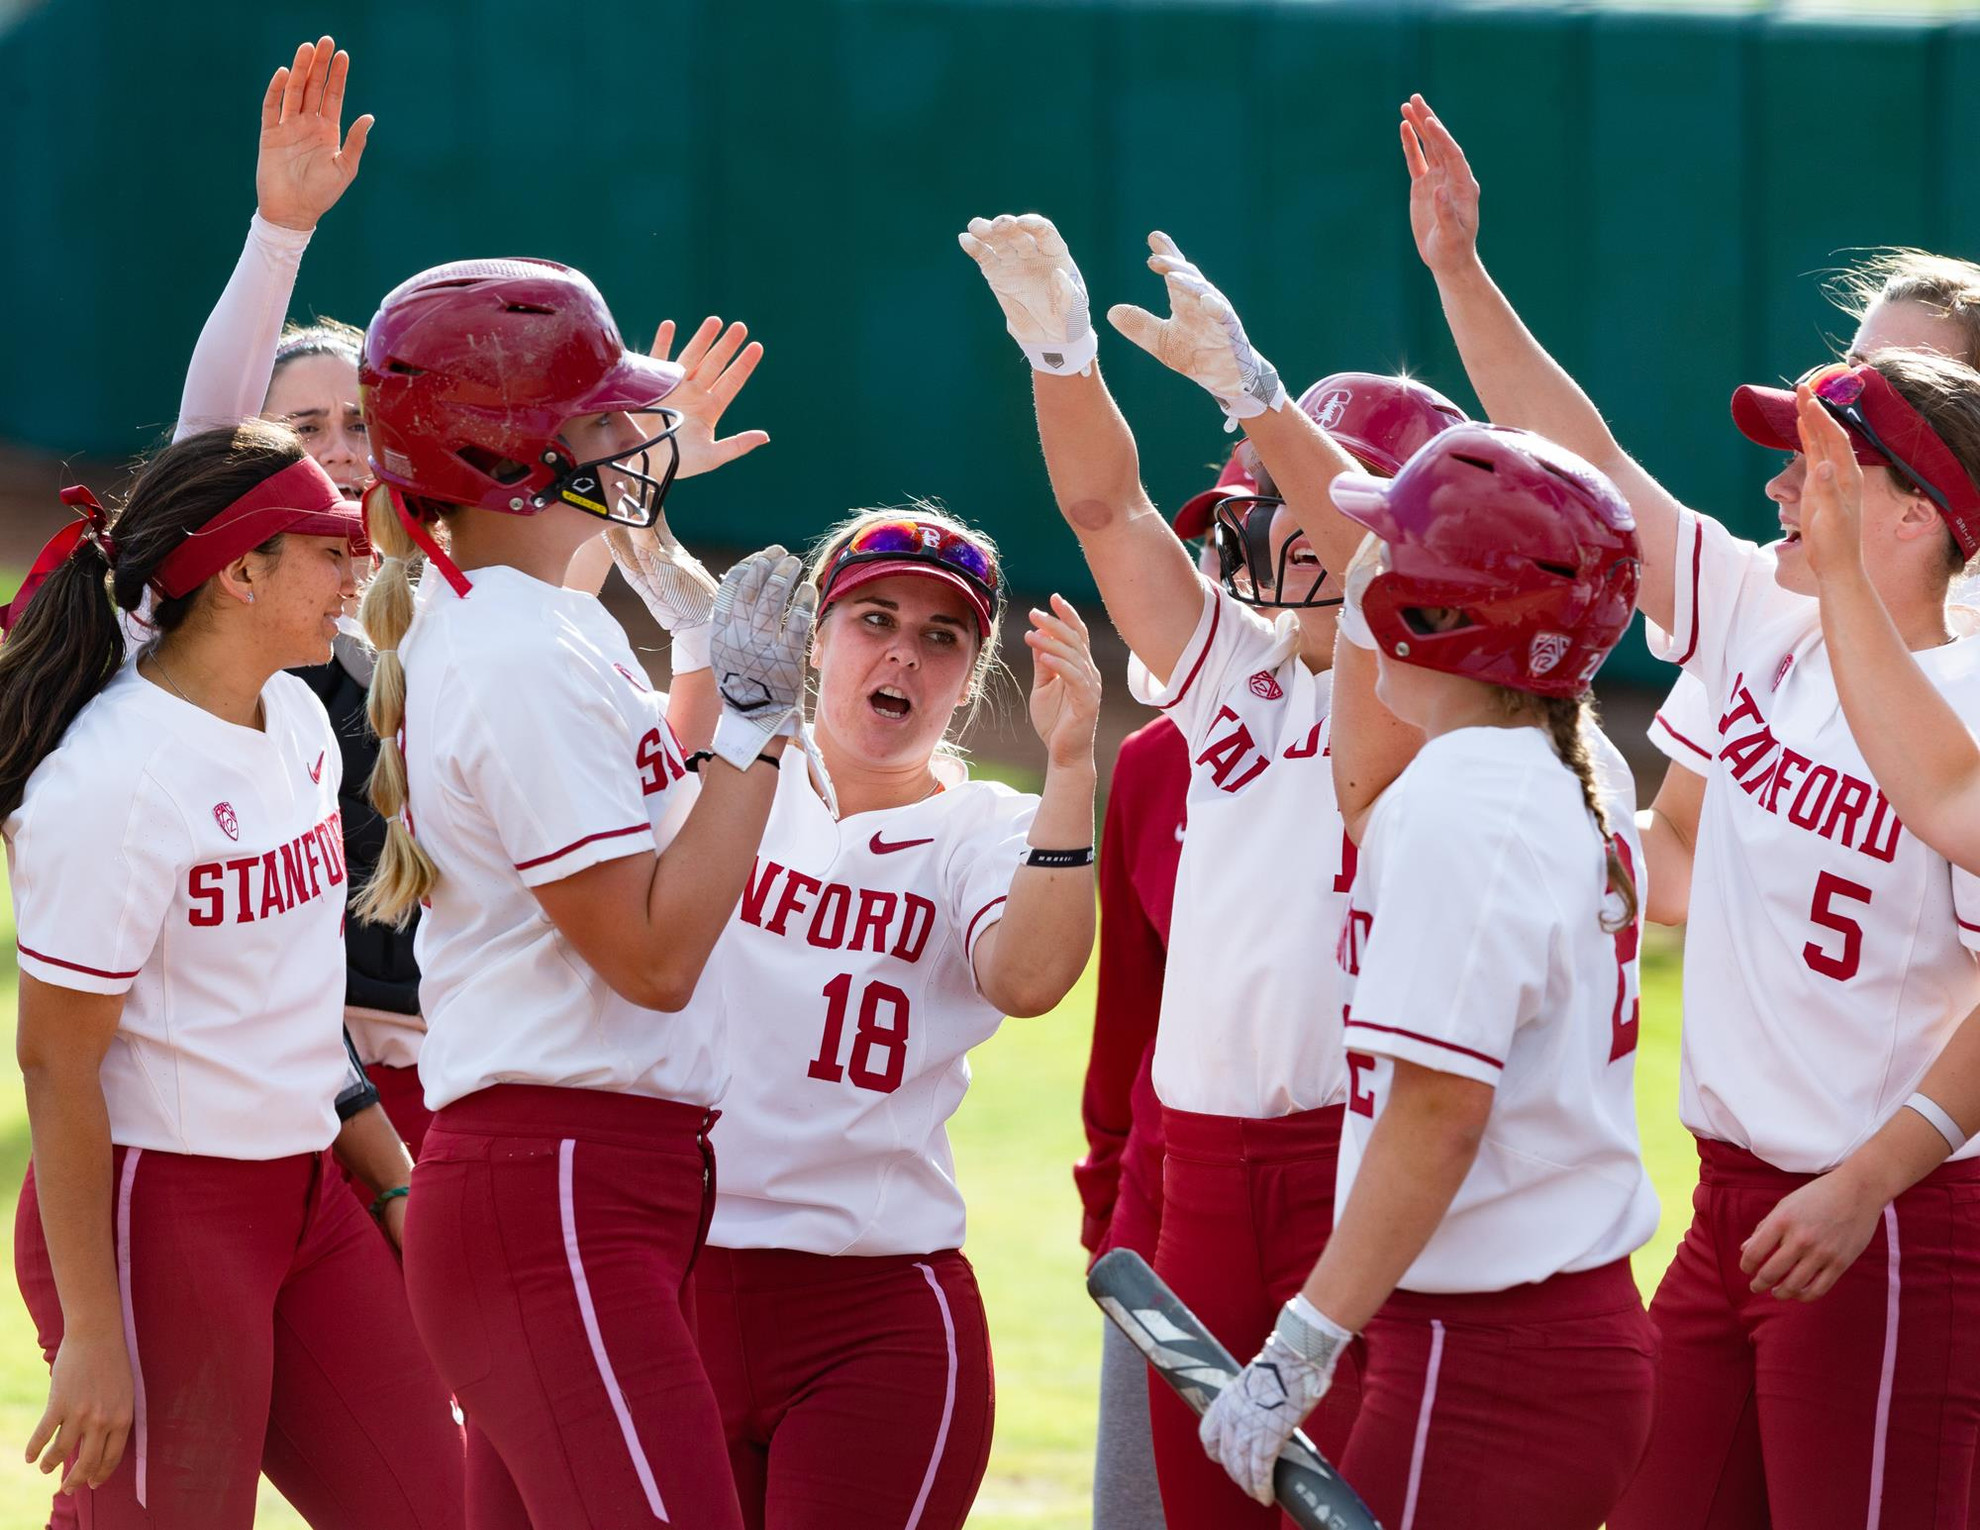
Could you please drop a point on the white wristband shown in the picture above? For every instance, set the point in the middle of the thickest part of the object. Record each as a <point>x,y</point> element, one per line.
<point>690,648</point>
<point>1943,1123</point>
<point>1064,360</point>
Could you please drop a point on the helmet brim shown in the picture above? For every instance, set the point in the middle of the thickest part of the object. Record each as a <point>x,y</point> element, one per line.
<point>634,384</point>
<point>1364,499</point>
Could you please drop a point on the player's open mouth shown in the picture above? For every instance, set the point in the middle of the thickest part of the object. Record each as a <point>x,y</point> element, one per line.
<point>1303,557</point>
<point>1790,535</point>
<point>890,703</point>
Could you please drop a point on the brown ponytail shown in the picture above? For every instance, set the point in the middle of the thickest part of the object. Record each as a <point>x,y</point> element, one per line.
<point>67,644</point>
<point>405,873</point>
<point>1567,719</point>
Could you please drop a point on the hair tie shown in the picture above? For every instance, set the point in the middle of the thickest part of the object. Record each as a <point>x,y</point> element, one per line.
<point>96,521</point>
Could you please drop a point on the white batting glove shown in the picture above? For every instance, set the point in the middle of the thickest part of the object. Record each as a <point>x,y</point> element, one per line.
<point>676,588</point>
<point>1201,338</point>
<point>1252,1419</point>
<point>1042,294</point>
<point>761,633</point>
<point>1360,574</point>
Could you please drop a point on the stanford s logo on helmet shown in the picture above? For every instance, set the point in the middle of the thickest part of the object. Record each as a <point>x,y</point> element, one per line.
<point>1533,549</point>
<point>472,369</point>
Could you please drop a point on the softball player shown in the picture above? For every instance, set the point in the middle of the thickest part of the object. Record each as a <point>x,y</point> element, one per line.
<point>1251,1085</point>
<point>1901,300</point>
<point>1829,956</point>
<point>575,876</point>
<point>211,1302</point>
<point>1491,1184</point>
<point>888,926</point>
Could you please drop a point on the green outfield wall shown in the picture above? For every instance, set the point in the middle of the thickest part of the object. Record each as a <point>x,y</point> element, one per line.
<point>1661,194</point>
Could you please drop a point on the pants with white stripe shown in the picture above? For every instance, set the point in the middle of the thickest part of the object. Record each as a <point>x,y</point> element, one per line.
<point>1524,1409</point>
<point>855,1391</point>
<point>548,1246</point>
<point>268,1332</point>
<point>1856,1410</point>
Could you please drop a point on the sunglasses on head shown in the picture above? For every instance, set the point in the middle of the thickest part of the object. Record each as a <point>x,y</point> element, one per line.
<point>1841,393</point>
<point>923,542</point>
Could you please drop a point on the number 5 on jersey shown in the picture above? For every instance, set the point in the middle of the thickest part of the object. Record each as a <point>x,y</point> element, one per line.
<point>879,1047</point>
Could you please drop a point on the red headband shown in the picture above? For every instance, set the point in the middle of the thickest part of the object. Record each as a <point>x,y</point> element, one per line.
<point>1767,415</point>
<point>301,498</point>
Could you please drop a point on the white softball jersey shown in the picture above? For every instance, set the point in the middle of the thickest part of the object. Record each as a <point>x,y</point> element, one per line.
<point>847,979</point>
<point>1250,1022</point>
<point>1474,945</point>
<point>197,868</point>
<point>1830,953</point>
<point>535,748</point>
<point>1683,728</point>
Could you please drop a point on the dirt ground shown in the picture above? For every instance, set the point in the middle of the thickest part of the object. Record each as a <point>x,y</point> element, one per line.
<point>1001,735</point>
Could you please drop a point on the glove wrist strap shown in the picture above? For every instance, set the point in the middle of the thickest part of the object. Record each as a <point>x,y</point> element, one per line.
<point>1063,360</point>
<point>690,648</point>
<point>1310,1333</point>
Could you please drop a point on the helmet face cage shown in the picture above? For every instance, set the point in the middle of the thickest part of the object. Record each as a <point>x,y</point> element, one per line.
<point>639,493</point>
<point>1241,526</point>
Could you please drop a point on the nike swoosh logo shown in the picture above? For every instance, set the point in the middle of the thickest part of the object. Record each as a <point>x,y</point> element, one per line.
<point>316,770</point>
<point>880,847</point>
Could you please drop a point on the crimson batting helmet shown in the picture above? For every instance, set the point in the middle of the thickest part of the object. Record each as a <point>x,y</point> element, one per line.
<point>472,369</point>
<point>1379,421</point>
<point>1535,550</point>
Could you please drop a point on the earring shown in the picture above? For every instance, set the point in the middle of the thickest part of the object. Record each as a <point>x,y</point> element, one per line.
<point>250,597</point>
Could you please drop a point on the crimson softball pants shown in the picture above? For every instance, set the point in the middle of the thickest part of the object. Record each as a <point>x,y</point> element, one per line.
<point>548,1247</point>
<point>855,1392</point>
<point>1857,1409</point>
<point>1246,1209</point>
<point>1524,1409</point>
<point>268,1332</point>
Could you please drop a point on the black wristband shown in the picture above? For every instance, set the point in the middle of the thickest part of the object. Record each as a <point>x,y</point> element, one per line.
<point>1060,860</point>
<point>701,757</point>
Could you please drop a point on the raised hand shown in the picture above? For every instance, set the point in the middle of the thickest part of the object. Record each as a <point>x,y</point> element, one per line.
<point>306,159</point>
<point>1065,683</point>
<point>674,585</point>
<point>764,612</point>
<point>1443,193</point>
<point>1831,491</point>
<point>1032,275</point>
<point>717,364</point>
<point>1201,338</point>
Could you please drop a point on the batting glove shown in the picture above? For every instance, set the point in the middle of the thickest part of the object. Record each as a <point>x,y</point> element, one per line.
<point>761,633</point>
<point>1042,294</point>
<point>677,590</point>
<point>1201,338</point>
<point>1249,1423</point>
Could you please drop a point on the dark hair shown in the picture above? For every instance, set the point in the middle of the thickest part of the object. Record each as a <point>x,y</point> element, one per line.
<point>67,644</point>
<point>324,337</point>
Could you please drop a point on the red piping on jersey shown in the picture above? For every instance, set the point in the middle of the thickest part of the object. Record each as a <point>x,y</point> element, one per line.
<point>56,961</point>
<point>1697,558</point>
<point>1216,615</point>
<point>969,936</point>
<point>1975,928</point>
<point>1702,753</point>
<point>1449,1046</point>
<point>579,843</point>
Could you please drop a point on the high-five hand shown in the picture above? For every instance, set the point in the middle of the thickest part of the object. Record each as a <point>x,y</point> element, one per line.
<point>306,160</point>
<point>1831,491</point>
<point>1443,193</point>
<point>1043,296</point>
<point>1202,338</point>
<point>762,624</point>
<point>717,364</point>
<point>1065,684</point>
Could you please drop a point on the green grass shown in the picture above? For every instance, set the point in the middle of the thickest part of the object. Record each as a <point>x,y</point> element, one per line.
<point>1016,1137</point>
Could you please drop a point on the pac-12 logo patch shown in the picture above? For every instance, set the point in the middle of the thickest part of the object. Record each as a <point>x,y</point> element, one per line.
<point>1327,413</point>
<point>224,815</point>
<point>1264,687</point>
<point>1548,649</point>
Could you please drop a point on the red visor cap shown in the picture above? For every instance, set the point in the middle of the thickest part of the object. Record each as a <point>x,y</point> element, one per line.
<point>1767,416</point>
<point>1193,519</point>
<point>885,568</point>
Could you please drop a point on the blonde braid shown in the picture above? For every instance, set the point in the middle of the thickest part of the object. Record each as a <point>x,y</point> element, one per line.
<point>405,873</point>
<point>1567,719</point>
